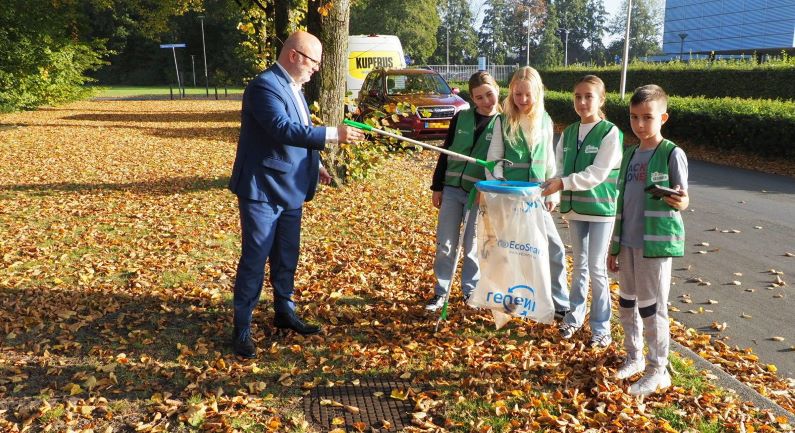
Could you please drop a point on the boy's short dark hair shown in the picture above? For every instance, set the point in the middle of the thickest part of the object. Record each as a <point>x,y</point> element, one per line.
<point>648,93</point>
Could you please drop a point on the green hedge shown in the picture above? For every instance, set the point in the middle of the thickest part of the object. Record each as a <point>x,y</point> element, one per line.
<point>773,79</point>
<point>757,83</point>
<point>761,127</point>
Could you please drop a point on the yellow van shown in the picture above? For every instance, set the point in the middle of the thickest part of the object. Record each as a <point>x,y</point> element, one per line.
<point>366,52</point>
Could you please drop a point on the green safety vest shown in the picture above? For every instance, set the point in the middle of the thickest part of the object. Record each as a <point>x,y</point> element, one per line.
<point>464,174</point>
<point>663,228</point>
<point>526,166</point>
<point>601,199</point>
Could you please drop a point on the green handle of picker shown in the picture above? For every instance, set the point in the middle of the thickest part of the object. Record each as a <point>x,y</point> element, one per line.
<point>488,164</point>
<point>359,125</point>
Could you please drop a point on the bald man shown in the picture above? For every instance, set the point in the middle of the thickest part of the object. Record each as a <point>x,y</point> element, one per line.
<point>277,168</point>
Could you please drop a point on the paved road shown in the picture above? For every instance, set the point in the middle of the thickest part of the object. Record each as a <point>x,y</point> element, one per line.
<point>736,199</point>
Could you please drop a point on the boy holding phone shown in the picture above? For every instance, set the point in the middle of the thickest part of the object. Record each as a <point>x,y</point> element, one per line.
<point>647,233</point>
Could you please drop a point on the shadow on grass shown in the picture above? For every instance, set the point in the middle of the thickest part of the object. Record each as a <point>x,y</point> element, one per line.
<point>160,116</point>
<point>128,347</point>
<point>159,187</point>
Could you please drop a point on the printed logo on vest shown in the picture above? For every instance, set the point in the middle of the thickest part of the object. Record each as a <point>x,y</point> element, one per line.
<point>591,149</point>
<point>462,131</point>
<point>659,177</point>
<point>488,136</point>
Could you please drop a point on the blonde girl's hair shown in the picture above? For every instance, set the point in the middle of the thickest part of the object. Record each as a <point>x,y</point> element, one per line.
<point>536,115</point>
<point>600,86</point>
<point>481,78</point>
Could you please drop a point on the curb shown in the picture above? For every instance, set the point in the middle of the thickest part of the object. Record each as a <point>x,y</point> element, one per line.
<point>728,381</point>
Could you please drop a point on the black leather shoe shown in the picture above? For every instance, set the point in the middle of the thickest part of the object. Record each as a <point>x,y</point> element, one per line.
<point>243,344</point>
<point>291,321</point>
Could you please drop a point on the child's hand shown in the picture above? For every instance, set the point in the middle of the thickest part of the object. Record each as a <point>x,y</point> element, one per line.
<point>612,263</point>
<point>323,177</point>
<point>551,186</point>
<point>679,202</point>
<point>436,199</point>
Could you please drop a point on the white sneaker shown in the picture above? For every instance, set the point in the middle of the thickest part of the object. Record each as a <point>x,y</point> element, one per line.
<point>651,382</point>
<point>630,368</point>
<point>602,340</point>
<point>567,331</point>
<point>436,303</point>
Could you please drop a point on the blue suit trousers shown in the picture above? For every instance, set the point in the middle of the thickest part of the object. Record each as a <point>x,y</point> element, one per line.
<point>273,234</point>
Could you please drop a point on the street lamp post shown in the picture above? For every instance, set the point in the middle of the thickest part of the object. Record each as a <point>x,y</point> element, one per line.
<point>447,55</point>
<point>204,54</point>
<point>193,68</point>
<point>682,45</point>
<point>625,60</point>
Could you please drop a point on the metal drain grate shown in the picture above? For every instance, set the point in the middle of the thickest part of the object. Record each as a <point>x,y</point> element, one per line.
<point>373,410</point>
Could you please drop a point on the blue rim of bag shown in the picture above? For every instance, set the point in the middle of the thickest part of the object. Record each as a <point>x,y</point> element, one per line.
<point>512,187</point>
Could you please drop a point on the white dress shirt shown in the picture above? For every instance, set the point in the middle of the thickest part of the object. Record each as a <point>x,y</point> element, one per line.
<point>331,133</point>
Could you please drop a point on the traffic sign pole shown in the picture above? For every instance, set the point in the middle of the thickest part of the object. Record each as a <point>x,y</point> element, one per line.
<point>176,67</point>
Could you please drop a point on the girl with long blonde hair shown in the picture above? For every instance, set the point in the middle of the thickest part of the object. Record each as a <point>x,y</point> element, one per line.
<point>526,141</point>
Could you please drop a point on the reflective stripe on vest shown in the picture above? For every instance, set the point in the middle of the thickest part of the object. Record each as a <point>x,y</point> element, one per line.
<point>526,166</point>
<point>461,173</point>
<point>601,199</point>
<point>663,228</point>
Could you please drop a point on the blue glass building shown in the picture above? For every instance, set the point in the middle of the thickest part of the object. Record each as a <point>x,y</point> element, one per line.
<point>728,26</point>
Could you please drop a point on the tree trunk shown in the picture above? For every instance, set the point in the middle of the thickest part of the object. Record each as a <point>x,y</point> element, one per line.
<point>327,87</point>
<point>281,22</point>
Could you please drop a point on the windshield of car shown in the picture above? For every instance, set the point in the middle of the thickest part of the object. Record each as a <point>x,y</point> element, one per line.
<point>413,84</point>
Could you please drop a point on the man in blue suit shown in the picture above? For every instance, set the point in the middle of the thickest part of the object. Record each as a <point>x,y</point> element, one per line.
<point>277,168</point>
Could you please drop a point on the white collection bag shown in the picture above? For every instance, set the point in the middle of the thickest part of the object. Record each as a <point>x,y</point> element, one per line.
<point>513,253</point>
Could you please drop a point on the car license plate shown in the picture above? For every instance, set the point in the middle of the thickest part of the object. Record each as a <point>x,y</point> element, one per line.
<point>437,125</point>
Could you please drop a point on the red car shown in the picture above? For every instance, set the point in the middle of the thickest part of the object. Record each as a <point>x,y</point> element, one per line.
<point>386,91</point>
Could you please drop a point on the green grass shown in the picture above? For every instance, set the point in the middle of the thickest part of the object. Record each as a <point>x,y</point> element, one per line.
<point>686,375</point>
<point>123,91</point>
<point>676,419</point>
<point>471,412</point>
<point>673,414</point>
<point>54,413</point>
<point>173,279</point>
<point>247,424</point>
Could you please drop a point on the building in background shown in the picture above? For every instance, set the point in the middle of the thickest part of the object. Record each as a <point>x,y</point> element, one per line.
<point>728,27</point>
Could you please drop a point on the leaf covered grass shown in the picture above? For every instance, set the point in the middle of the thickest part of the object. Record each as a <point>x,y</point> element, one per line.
<point>118,248</point>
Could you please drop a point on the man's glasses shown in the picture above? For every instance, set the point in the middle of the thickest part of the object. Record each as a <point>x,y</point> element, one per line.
<point>315,62</point>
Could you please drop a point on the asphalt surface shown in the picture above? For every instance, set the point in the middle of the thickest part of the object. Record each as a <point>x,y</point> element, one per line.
<point>762,208</point>
<point>748,220</point>
<point>732,199</point>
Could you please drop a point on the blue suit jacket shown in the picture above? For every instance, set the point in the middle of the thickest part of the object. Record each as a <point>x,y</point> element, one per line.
<point>277,157</point>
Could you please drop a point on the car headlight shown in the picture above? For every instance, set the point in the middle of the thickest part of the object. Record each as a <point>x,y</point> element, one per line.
<point>463,107</point>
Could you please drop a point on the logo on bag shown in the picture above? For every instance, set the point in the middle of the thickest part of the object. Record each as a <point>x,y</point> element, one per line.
<point>519,300</point>
<point>528,206</point>
<point>521,248</point>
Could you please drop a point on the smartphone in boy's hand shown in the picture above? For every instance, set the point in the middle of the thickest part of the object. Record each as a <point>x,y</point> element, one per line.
<point>661,191</point>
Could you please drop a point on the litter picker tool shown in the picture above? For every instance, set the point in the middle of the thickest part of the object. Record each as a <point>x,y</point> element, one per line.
<point>489,165</point>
